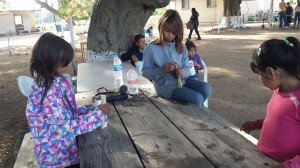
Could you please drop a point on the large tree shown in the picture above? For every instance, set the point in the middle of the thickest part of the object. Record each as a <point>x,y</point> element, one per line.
<point>113,23</point>
<point>232,14</point>
<point>80,9</point>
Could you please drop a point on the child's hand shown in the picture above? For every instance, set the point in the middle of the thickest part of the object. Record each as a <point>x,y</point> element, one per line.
<point>197,65</point>
<point>169,67</point>
<point>178,72</point>
<point>104,108</point>
<point>249,126</point>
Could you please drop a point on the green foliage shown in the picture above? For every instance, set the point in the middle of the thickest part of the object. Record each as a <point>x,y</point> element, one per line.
<point>3,5</point>
<point>159,11</point>
<point>79,9</point>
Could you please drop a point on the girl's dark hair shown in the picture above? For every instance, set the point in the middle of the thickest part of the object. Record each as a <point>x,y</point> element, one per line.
<point>49,53</point>
<point>195,12</point>
<point>136,39</point>
<point>189,44</point>
<point>284,54</point>
<point>171,20</point>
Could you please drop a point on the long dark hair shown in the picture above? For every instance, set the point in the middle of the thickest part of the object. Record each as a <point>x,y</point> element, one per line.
<point>194,12</point>
<point>171,20</point>
<point>284,54</point>
<point>189,44</point>
<point>49,53</point>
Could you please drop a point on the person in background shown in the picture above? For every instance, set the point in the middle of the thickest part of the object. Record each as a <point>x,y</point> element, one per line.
<point>195,62</point>
<point>166,63</point>
<point>282,14</point>
<point>194,20</point>
<point>297,15</point>
<point>53,116</point>
<point>135,52</point>
<point>289,11</point>
<point>277,63</point>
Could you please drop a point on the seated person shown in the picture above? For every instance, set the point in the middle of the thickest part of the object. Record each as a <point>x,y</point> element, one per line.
<point>195,62</point>
<point>135,52</point>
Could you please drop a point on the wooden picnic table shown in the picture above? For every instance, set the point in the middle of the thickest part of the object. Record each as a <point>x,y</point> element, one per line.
<point>146,131</point>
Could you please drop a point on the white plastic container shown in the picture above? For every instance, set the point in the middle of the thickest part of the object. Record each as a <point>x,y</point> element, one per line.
<point>103,101</point>
<point>192,68</point>
<point>132,80</point>
<point>118,75</point>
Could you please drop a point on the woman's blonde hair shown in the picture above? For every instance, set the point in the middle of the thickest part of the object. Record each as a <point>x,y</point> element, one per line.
<point>172,21</point>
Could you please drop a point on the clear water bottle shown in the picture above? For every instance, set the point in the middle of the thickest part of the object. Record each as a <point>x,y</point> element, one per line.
<point>132,80</point>
<point>118,75</point>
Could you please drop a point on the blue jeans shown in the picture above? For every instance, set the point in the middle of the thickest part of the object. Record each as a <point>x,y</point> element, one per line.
<point>282,17</point>
<point>194,91</point>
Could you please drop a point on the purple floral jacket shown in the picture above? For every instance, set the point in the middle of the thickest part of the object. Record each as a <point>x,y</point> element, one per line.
<point>55,124</point>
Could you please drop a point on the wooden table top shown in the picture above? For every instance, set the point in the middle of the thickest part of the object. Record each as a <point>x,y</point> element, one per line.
<point>153,132</point>
<point>146,131</point>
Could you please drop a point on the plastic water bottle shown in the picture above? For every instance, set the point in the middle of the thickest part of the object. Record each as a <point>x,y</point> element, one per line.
<point>132,80</point>
<point>118,74</point>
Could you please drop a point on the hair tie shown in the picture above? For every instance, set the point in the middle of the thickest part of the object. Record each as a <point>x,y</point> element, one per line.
<point>286,41</point>
<point>258,51</point>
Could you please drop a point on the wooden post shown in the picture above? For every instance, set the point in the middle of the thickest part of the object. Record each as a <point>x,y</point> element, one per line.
<point>8,46</point>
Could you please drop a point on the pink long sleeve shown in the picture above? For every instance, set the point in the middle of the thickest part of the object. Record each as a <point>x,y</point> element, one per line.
<point>293,163</point>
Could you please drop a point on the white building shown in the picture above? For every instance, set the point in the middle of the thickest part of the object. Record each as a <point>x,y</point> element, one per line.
<point>18,12</point>
<point>212,10</point>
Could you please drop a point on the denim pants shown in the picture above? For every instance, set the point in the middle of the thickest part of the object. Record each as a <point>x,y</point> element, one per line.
<point>196,30</point>
<point>194,91</point>
<point>282,17</point>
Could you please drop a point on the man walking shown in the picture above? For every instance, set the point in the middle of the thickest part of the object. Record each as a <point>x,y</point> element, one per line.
<point>289,12</point>
<point>282,14</point>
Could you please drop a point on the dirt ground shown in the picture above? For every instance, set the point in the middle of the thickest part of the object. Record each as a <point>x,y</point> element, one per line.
<point>237,93</point>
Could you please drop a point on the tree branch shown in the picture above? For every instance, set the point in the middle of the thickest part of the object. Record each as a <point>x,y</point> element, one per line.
<point>50,9</point>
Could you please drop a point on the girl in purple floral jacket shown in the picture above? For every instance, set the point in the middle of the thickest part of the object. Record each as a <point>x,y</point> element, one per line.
<point>52,113</point>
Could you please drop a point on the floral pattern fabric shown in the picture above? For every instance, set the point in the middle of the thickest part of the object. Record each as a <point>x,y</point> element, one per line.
<point>56,123</point>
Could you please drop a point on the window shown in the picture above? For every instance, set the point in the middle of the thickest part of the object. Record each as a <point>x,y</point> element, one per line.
<point>185,4</point>
<point>211,3</point>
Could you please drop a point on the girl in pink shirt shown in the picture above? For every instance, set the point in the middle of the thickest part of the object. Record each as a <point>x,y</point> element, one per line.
<point>53,116</point>
<point>277,63</point>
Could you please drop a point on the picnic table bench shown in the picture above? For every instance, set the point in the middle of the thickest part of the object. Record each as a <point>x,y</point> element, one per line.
<point>146,131</point>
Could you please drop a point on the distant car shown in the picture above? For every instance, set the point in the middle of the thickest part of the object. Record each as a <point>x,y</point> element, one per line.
<point>33,29</point>
<point>19,28</point>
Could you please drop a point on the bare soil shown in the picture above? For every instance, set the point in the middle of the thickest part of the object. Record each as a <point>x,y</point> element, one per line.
<point>237,95</point>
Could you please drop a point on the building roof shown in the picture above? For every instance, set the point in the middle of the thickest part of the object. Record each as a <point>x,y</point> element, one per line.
<point>22,5</point>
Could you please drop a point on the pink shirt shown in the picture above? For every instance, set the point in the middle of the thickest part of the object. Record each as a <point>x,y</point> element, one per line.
<point>280,134</point>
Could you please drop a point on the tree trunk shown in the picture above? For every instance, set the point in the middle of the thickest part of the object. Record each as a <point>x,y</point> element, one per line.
<point>232,14</point>
<point>114,22</point>
<point>70,23</point>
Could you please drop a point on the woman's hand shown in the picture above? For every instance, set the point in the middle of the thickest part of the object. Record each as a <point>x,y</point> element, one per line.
<point>169,67</point>
<point>104,108</point>
<point>249,126</point>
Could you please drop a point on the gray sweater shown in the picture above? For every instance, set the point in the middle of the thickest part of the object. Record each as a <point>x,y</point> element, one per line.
<point>155,58</point>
